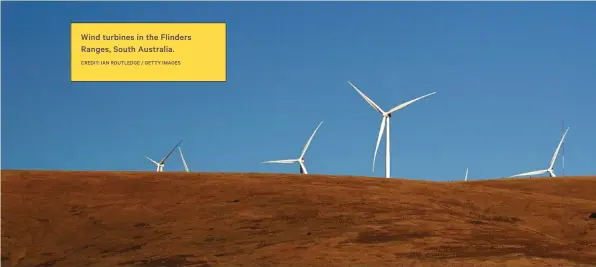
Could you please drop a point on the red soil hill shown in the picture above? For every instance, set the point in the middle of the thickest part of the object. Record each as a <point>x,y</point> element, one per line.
<point>97,219</point>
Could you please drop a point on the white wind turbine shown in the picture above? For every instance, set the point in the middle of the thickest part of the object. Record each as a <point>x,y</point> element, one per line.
<point>550,169</point>
<point>162,162</point>
<point>385,122</point>
<point>299,160</point>
<point>183,161</point>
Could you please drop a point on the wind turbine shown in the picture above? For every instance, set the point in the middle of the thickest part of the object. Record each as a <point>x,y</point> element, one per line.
<point>386,116</point>
<point>466,178</point>
<point>299,160</point>
<point>183,161</point>
<point>550,169</point>
<point>162,162</point>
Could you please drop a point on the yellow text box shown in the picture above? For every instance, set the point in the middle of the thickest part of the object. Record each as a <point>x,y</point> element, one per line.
<point>148,52</point>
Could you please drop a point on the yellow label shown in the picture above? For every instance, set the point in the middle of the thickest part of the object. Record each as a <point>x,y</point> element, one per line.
<point>148,52</point>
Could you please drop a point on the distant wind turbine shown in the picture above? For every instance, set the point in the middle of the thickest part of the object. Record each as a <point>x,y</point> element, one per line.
<point>385,121</point>
<point>162,162</point>
<point>466,178</point>
<point>183,161</point>
<point>550,170</point>
<point>299,160</point>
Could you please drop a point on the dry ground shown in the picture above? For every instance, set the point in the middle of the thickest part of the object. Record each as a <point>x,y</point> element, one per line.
<point>112,219</point>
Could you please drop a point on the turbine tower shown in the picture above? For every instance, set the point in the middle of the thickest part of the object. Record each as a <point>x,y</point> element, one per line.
<point>386,116</point>
<point>466,178</point>
<point>550,169</point>
<point>183,161</point>
<point>162,162</point>
<point>563,148</point>
<point>299,160</point>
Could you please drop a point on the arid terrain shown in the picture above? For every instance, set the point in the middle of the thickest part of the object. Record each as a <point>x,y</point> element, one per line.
<point>149,219</point>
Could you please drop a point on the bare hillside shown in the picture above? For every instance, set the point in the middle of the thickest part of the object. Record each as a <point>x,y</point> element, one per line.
<point>148,219</point>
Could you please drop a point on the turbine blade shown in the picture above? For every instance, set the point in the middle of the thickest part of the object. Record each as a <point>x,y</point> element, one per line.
<point>164,159</point>
<point>552,161</point>
<point>154,162</point>
<point>368,100</point>
<point>466,178</point>
<point>282,161</point>
<point>303,168</point>
<point>552,173</point>
<point>309,140</point>
<point>183,161</point>
<point>405,104</point>
<point>379,140</point>
<point>529,173</point>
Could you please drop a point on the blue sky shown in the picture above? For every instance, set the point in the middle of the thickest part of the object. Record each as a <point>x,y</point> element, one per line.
<point>505,73</point>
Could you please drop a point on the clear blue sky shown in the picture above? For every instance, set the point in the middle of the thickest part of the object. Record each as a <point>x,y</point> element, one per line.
<point>505,73</point>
